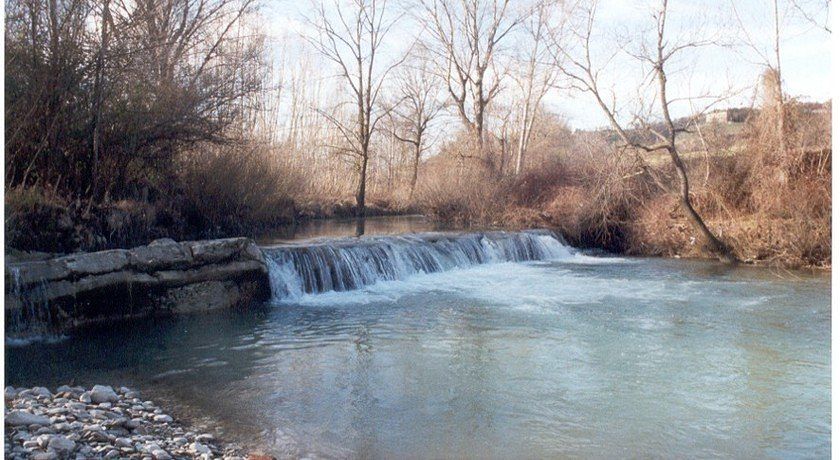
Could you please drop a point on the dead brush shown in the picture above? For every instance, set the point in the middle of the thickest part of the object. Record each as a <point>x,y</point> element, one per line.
<point>461,193</point>
<point>231,190</point>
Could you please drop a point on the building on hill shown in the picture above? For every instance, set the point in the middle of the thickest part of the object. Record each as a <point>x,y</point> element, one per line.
<point>733,115</point>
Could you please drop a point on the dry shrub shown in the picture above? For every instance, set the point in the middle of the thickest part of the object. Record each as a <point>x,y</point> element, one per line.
<point>548,195</point>
<point>609,190</point>
<point>660,228</point>
<point>721,186</point>
<point>238,188</point>
<point>460,193</point>
<point>790,191</point>
<point>769,204</point>
<point>37,219</point>
<point>540,186</point>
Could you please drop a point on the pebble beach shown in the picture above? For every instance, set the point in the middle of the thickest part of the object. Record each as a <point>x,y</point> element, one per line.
<point>101,423</point>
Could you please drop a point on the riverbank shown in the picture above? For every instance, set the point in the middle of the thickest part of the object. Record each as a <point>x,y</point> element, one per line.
<point>38,220</point>
<point>100,423</point>
<point>768,217</point>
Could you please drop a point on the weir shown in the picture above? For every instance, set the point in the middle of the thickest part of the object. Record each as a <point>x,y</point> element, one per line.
<point>56,295</point>
<point>53,295</point>
<point>352,263</point>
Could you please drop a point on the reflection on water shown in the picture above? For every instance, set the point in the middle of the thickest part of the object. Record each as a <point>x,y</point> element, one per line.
<point>624,358</point>
<point>360,226</point>
<point>338,228</point>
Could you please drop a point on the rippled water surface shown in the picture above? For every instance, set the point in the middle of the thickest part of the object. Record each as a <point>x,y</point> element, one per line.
<point>586,357</point>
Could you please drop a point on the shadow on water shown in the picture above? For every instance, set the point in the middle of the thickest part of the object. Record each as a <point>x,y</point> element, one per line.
<point>360,226</point>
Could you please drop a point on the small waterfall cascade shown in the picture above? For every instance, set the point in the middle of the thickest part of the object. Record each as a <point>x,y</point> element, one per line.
<point>352,263</point>
<point>29,311</point>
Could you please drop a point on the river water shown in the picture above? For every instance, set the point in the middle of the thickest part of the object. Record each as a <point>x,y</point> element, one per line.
<point>339,228</point>
<point>578,356</point>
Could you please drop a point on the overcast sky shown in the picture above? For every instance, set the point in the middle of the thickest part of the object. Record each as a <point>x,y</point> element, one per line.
<point>733,69</point>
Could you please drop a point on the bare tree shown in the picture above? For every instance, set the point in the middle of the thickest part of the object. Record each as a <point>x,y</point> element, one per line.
<point>465,38</point>
<point>579,68</point>
<point>536,77</point>
<point>771,59</point>
<point>504,132</point>
<point>99,82</point>
<point>352,40</point>
<point>775,76</point>
<point>419,103</point>
<point>812,10</point>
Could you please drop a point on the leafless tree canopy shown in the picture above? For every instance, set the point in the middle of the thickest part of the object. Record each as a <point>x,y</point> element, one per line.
<point>353,41</point>
<point>465,37</point>
<point>418,102</point>
<point>133,118</point>
<point>99,90</point>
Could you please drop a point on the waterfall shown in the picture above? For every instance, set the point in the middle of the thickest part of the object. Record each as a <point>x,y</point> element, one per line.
<point>26,308</point>
<point>352,263</point>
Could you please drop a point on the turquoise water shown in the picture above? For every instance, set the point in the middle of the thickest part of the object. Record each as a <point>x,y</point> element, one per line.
<point>582,357</point>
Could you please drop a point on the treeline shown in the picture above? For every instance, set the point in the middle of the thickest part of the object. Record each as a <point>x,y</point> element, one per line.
<point>128,121</point>
<point>107,101</point>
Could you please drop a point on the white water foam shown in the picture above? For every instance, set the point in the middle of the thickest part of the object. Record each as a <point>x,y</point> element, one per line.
<point>297,271</point>
<point>531,286</point>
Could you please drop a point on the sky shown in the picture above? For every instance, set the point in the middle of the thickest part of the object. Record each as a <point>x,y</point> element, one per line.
<point>731,66</point>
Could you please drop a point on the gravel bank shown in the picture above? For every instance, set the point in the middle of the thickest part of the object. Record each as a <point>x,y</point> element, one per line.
<point>100,422</point>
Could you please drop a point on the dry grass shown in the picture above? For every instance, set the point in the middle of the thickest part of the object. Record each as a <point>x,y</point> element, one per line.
<point>37,218</point>
<point>768,209</point>
<point>461,194</point>
<point>234,189</point>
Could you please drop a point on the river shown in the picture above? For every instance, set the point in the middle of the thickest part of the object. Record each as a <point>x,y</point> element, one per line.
<point>573,356</point>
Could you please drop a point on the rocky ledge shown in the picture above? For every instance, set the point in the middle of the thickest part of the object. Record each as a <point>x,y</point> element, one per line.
<point>61,293</point>
<point>79,423</point>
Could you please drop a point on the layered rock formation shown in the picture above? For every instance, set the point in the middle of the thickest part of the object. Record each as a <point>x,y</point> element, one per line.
<point>57,294</point>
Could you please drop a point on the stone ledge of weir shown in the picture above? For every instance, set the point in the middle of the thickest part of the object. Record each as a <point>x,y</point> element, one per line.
<point>54,296</point>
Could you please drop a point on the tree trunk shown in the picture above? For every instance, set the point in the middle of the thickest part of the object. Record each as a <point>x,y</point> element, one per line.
<point>780,98</point>
<point>523,134</point>
<point>417,152</point>
<point>97,111</point>
<point>54,100</point>
<point>714,244</point>
<point>360,195</point>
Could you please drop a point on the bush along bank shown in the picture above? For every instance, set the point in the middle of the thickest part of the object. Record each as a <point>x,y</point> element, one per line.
<point>38,220</point>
